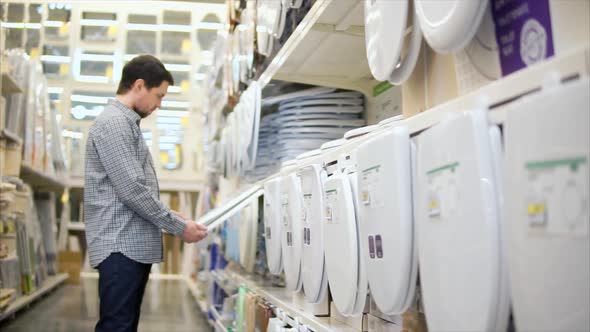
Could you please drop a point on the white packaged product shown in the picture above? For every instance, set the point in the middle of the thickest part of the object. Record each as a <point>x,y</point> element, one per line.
<point>292,230</point>
<point>386,218</point>
<point>458,217</point>
<point>547,202</point>
<point>344,252</point>
<point>315,279</point>
<point>272,225</point>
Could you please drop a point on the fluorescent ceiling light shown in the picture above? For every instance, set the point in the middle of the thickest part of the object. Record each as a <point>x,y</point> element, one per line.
<point>55,89</point>
<point>92,79</point>
<point>72,134</point>
<point>170,139</point>
<point>142,27</point>
<point>173,113</point>
<point>98,23</point>
<point>175,27</point>
<point>166,146</point>
<point>53,24</point>
<point>210,26</point>
<point>169,120</point>
<point>200,76</point>
<point>36,26</point>
<point>175,104</point>
<point>97,57</point>
<point>12,25</point>
<point>56,58</point>
<point>177,67</point>
<point>174,89</point>
<point>89,99</point>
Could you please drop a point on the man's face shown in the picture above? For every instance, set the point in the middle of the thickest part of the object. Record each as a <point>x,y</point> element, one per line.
<point>148,100</point>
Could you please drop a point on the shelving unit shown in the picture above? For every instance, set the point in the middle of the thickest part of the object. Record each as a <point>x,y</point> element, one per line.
<point>50,284</point>
<point>283,299</point>
<point>496,96</point>
<point>192,286</point>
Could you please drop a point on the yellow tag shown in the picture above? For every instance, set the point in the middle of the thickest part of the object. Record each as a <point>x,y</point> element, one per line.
<point>65,197</point>
<point>112,32</point>
<point>164,158</point>
<point>186,46</point>
<point>10,227</point>
<point>178,149</point>
<point>64,29</point>
<point>184,121</point>
<point>35,52</point>
<point>534,209</point>
<point>433,204</point>
<point>185,85</point>
<point>64,69</point>
<point>109,72</point>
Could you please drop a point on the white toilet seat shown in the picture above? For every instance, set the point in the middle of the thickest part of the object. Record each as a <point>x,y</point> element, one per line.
<point>459,226</point>
<point>449,25</point>
<point>386,218</point>
<point>272,225</point>
<point>292,234</point>
<point>385,31</point>
<point>547,154</point>
<point>315,279</point>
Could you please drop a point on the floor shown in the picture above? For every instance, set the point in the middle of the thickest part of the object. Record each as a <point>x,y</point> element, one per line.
<point>167,306</point>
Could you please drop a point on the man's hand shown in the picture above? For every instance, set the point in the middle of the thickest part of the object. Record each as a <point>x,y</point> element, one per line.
<point>194,232</point>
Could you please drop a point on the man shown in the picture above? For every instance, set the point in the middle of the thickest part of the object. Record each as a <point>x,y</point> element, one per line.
<point>123,214</point>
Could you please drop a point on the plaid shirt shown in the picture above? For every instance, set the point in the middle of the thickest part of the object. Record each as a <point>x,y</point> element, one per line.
<point>122,210</point>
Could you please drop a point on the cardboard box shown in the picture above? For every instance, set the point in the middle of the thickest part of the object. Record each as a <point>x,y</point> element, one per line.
<point>70,262</point>
<point>12,158</point>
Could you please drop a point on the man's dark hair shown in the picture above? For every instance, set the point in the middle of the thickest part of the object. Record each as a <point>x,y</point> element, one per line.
<point>146,67</point>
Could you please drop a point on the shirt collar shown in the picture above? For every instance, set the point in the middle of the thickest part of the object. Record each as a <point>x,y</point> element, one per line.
<point>129,113</point>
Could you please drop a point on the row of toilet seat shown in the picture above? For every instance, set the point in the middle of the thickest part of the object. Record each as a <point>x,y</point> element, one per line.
<point>391,201</point>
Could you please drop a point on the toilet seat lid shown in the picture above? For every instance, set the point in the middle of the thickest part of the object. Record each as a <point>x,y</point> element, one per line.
<point>449,25</point>
<point>272,225</point>
<point>459,226</point>
<point>312,263</point>
<point>341,244</point>
<point>292,234</point>
<point>386,218</point>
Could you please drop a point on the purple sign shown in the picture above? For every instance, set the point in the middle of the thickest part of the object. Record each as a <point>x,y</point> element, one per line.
<point>523,32</point>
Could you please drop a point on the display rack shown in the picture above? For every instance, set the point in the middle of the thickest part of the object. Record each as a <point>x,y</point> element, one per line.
<point>22,302</point>
<point>496,96</point>
<point>282,298</point>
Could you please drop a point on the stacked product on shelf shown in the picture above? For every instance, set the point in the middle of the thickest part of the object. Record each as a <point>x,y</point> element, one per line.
<point>30,116</point>
<point>304,121</point>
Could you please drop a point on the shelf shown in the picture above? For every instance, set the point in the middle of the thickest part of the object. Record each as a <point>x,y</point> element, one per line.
<point>283,299</point>
<point>9,135</point>
<point>201,302</point>
<point>41,181</point>
<point>76,226</point>
<point>22,302</point>
<point>9,85</point>
<point>327,48</point>
<point>186,186</point>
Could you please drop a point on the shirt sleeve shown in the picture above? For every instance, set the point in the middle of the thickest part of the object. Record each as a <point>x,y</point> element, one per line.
<point>117,151</point>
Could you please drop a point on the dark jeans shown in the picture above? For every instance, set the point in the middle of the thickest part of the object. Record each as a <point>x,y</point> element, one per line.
<point>120,286</point>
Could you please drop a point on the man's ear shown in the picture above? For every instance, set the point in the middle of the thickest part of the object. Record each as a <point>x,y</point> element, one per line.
<point>138,84</point>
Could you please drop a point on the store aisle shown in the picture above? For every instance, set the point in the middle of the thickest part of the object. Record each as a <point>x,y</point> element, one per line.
<point>167,306</point>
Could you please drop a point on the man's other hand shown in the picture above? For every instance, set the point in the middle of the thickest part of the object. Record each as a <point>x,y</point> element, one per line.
<point>194,232</point>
